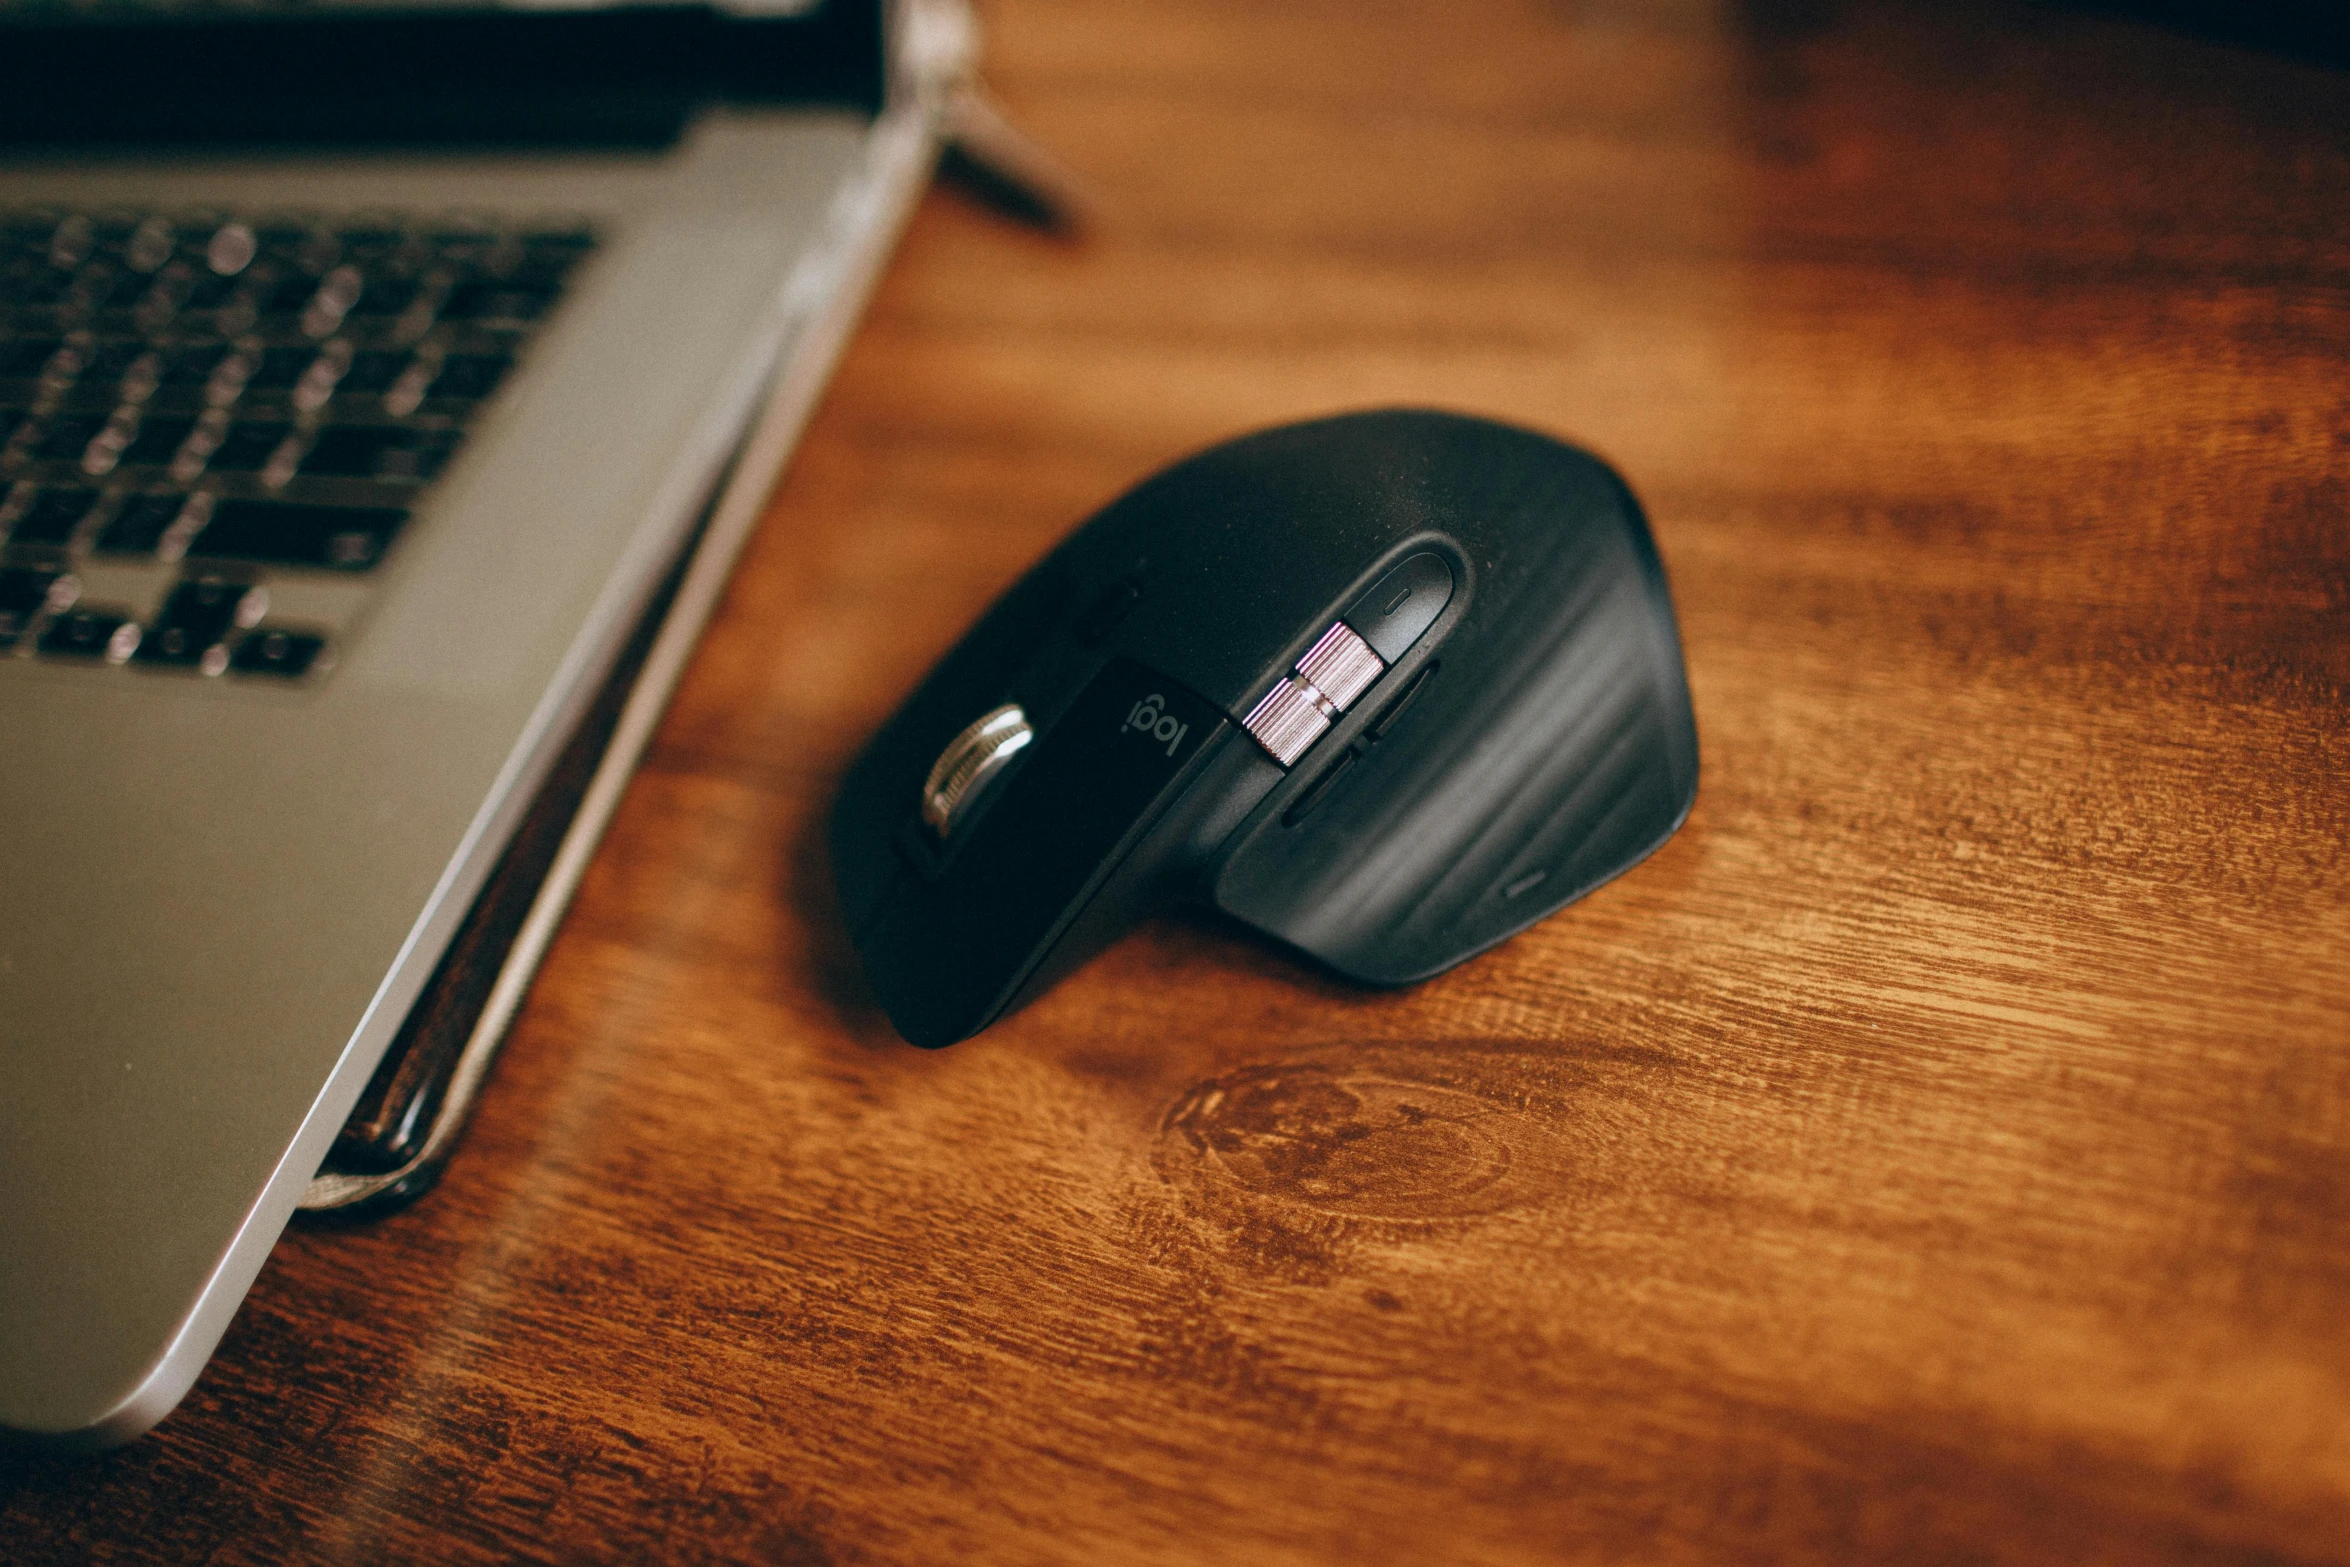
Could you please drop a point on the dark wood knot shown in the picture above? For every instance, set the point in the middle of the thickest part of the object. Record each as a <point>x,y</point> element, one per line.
<point>1368,1143</point>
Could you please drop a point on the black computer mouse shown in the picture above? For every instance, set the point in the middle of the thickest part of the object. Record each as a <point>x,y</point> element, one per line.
<point>1387,687</point>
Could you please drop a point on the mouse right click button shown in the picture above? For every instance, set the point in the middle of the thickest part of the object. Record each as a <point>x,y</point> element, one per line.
<point>1395,610</point>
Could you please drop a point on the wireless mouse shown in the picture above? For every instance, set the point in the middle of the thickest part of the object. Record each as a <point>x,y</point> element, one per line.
<point>1387,688</point>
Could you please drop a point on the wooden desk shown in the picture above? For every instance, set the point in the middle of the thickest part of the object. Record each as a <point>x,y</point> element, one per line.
<point>1940,1151</point>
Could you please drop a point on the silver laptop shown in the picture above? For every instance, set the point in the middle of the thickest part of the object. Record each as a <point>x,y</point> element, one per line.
<point>340,486</point>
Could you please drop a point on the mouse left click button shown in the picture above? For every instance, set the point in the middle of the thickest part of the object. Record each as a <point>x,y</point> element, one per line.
<point>971,761</point>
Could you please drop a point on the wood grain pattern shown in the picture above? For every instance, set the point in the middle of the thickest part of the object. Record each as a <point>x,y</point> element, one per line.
<point>1939,1152</point>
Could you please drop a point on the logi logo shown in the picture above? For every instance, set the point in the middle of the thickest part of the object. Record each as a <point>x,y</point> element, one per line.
<point>1150,715</point>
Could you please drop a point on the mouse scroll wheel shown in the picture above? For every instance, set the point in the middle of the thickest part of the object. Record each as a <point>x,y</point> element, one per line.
<point>970,761</point>
<point>1336,669</point>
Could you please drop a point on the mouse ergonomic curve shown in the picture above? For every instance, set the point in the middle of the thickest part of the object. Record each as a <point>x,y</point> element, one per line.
<point>1388,687</point>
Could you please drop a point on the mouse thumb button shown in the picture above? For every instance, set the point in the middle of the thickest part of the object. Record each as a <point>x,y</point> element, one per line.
<point>1395,611</point>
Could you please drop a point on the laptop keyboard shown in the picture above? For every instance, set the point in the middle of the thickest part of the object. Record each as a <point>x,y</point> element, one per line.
<point>196,408</point>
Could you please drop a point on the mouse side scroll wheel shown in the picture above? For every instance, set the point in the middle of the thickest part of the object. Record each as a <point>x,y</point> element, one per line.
<point>970,761</point>
<point>1339,667</point>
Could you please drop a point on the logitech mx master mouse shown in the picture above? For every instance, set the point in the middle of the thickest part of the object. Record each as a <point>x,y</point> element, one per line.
<point>1387,688</point>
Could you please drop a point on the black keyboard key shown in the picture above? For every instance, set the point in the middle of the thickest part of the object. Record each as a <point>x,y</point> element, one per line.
<point>470,375</point>
<point>548,255</point>
<point>273,650</point>
<point>106,286</point>
<point>196,621</point>
<point>495,302</point>
<point>295,533</point>
<point>293,242</point>
<point>209,290</point>
<point>157,439</point>
<point>91,633</point>
<point>138,528</point>
<point>364,242</point>
<point>247,446</point>
<point>288,294</point>
<point>386,296</point>
<point>542,274</point>
<point>375,370</point>
<point>22,358</point>
<point>280,368</point>
<point>29,228</point>
<point>193,365</point>
<point>34,282</point>
<point>110,360</point>
<point>108,235</point>
<point>52,517</point>
<point>24,591</point>
<point>68,436</point>
<point>379,451</point>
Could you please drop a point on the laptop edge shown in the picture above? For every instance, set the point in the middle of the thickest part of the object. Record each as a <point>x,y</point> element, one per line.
<point>722,480</point>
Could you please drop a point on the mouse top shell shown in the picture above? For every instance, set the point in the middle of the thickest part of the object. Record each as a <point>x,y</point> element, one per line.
<point>1388,687</point>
